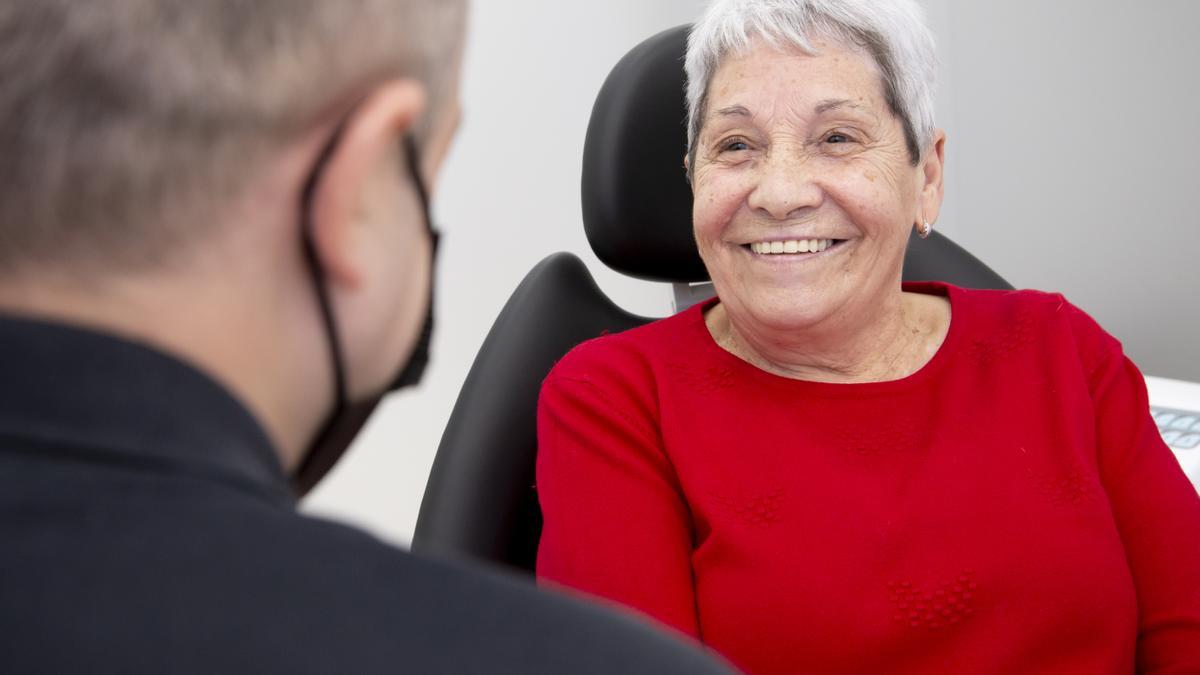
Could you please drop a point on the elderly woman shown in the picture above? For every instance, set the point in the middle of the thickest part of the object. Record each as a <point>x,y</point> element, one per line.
<point>823,470</point>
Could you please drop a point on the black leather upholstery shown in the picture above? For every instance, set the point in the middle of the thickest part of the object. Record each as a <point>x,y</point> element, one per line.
<point>939,259</point>
<point>480,501</point>
<point>637,204</point>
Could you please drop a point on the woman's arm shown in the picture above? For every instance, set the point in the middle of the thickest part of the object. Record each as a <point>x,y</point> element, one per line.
<point>1157,511</point>
<point>616,523</point>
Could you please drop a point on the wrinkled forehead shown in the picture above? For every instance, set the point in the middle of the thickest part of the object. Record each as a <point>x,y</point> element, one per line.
<point>769,79</point>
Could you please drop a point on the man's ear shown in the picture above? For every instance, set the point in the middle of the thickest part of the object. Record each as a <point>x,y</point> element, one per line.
<point>370,143</point>
<point>932,173</point>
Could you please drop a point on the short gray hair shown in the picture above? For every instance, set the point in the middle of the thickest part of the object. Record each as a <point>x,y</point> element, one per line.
<point>893,32</point>
<point>127,125</point>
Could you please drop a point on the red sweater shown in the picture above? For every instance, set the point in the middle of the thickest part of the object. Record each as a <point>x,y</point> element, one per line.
<point>1008,508</point>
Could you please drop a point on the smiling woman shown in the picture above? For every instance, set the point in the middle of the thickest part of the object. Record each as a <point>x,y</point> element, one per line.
<point>825,470</point>
<point>802,146</point>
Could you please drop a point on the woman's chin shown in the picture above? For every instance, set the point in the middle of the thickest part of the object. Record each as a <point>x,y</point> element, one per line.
<point>780,311</point>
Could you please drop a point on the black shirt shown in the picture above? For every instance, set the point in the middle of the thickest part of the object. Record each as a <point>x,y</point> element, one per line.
<point>146,527</point>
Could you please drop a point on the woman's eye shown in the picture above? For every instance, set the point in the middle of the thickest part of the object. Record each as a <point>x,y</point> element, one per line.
<point>735,145</point>
<point>837,138</point>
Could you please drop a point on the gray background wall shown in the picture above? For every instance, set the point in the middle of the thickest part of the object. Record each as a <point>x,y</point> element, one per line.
<point>1074,160</point>
<point>1072,165</point>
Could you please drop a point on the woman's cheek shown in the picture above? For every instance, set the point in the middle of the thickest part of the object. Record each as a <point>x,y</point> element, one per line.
<point>716,202</point>
<point>703,216</point>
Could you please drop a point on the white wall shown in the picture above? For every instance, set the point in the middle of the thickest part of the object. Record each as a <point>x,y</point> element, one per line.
<point>1072,166</point>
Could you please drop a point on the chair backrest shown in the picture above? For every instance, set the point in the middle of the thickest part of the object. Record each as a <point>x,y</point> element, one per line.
<point>480,501</point>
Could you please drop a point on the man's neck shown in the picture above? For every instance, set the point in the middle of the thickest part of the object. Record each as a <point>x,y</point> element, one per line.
<point>212,326</point>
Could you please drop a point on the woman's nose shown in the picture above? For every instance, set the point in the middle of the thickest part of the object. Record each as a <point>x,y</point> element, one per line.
<point>784,184</point>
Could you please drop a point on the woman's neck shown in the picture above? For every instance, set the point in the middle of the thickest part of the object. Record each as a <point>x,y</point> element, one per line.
<point>890,343</point>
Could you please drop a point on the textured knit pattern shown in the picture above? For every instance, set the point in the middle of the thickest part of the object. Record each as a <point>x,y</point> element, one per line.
<point>1008,508</point>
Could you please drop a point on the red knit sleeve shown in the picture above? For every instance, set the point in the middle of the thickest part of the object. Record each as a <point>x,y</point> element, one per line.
<point>1157,510</point>
<point>616,525</point>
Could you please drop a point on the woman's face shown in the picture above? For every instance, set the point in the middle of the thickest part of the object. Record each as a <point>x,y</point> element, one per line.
<point>801,153</point>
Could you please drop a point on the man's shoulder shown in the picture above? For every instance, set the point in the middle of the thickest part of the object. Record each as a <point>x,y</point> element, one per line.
<point>386,606</point>
<point>181,576</point>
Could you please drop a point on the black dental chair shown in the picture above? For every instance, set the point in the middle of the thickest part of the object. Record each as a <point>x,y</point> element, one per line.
<point>480,501</point>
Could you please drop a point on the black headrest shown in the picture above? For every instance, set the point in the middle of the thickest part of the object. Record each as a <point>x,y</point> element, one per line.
<point>637,204</point>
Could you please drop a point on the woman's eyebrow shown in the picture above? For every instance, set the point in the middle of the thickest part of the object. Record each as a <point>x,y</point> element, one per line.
<point>732,111</point>
<point>833,104</point>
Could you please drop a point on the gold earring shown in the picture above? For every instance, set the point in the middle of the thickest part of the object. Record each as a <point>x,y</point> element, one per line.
<point>924,230</point>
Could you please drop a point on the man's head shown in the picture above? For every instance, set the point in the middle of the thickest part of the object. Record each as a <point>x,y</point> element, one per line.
<point>153,154</point>
<point>127,125</point>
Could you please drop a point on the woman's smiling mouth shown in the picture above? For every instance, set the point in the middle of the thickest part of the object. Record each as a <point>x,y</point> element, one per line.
<point>791,246</point>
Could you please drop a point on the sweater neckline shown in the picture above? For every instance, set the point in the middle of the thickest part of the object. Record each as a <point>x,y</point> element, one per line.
<point>746,369</point>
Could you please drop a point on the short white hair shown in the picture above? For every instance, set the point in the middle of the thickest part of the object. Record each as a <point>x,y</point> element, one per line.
<point>892,32</point>
<point>126,126</point>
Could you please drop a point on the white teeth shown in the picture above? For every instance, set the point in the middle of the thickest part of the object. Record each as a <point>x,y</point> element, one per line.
<point>790,246</point>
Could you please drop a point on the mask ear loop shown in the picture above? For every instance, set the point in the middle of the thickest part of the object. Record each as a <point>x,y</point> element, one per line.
<point>419,359</point>
<point>307,197</point>
<point>346,419</point>
<point>314,463</point>
<point>414,163</point>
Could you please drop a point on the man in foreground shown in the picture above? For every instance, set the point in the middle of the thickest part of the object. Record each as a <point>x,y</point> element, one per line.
<point>215,257</point>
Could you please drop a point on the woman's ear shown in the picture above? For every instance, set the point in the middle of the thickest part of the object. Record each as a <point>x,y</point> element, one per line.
<point>366,155</point>
<point>932,167</point>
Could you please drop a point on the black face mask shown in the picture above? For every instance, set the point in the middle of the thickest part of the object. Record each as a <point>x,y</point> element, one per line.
<point>347,417</point>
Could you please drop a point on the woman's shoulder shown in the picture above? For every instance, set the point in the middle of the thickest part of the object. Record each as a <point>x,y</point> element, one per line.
<point>1048,317</point>
<point>632,352</point>
<point>1006,302</point>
